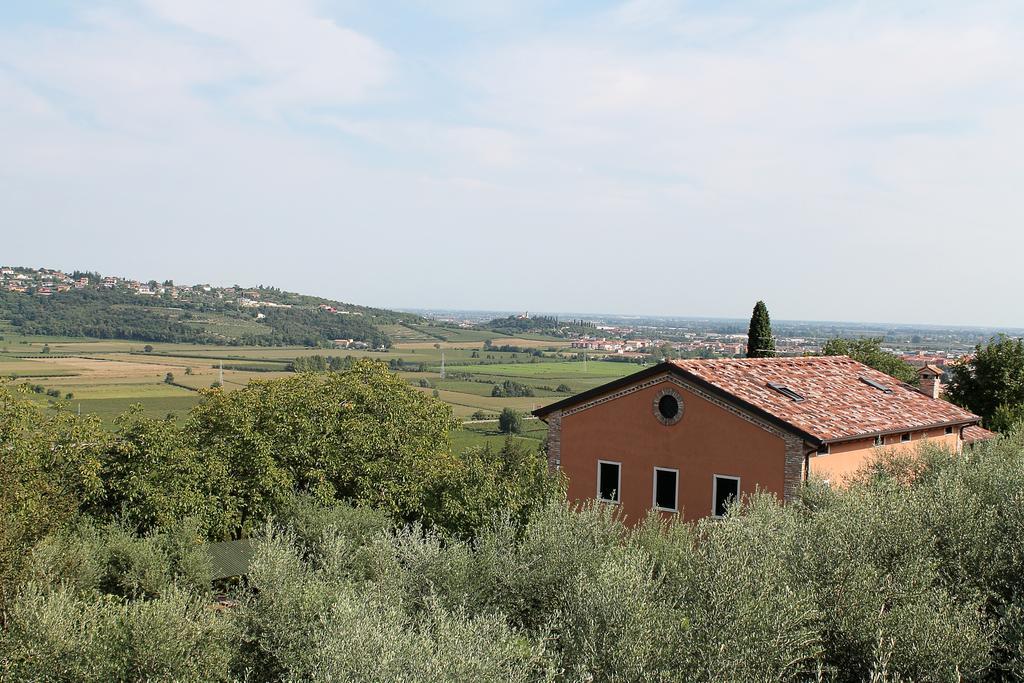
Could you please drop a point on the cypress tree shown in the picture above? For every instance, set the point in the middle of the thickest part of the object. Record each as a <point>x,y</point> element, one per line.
<point>760,343</point>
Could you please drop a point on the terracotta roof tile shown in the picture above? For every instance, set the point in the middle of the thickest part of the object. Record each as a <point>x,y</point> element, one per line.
<point>836,403</point>
<point>975,433</point>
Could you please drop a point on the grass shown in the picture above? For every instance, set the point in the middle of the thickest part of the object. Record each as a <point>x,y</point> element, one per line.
<point>108,376</point>
<point>554,370</point>
<point>109,408</point>
<point>487,433</point>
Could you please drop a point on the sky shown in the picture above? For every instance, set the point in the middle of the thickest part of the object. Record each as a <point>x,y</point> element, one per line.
<point>841,161</point>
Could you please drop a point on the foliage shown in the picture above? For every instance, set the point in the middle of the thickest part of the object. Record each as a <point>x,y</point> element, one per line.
<point>514,326</point>
<point>155,474</point>
<point>510,389</point>
<point>913,572</point>
<point>121,314</point>
<point>61,636</point>
<point>869,352</point>
<point>990,383</point>
<point>317,363</point>
<point>510,421</point>
<point>314,327</point>
<point>50,463</point>
<point>513,480</point>
<point>760,342</point>
<point>363,435</point>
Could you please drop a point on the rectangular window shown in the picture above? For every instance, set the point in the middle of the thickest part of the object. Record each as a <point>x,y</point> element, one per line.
<point>905,437</point>
<point>879,440</point>
<point>666,487</point>
<point>724,492</point>
<point>949,430</point>
<point>609,481</point>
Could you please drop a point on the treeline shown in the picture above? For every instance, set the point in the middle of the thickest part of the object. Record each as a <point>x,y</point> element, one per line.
<point>549,325</point>
<point>118,314</point>
<point>313,327</point>
<point>316,363</point>
<point>98,314</point>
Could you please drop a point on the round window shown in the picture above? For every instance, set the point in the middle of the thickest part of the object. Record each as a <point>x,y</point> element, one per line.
<point>668,406</point>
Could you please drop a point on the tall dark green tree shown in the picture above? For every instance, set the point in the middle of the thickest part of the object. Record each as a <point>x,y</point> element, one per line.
<point>760,342</point>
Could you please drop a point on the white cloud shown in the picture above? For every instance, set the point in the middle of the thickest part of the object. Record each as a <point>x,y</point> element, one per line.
<point>288,55</point>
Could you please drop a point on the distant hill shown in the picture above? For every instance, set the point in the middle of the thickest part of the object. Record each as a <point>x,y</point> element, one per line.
<point>543,324</point>
<point>85,304</point>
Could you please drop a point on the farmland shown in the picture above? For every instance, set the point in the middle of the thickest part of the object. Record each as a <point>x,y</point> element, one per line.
<point>106,377</point>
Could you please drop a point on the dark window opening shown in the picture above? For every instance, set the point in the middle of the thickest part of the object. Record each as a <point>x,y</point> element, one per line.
<point>668,406</point>
<point>824,449</point>
<point>879,440</point>
<point>786,391</point>
<point>665,487</point>
<point>876,385</point>
<point>905,437</point>
<point>949,430</point>
<point>727,491</point>
<point>608,481</point>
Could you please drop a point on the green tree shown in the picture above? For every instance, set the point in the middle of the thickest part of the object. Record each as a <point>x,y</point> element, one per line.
<point>364,435</point>
<point>49,465</point>
<point>991,380</point>
<point>869,352</point>
<point>760,342</point>
<point>148,348</point>
<point>513,480</point>
<point>169,378</point>
<point>510,421</point>
<point>45,349</point>
<point>155,475</point>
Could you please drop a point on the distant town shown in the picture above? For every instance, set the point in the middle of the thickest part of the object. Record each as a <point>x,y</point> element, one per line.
<point>45,282</point>
<point>638,337</point>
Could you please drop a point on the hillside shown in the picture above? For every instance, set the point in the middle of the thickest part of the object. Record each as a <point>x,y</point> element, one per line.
<point>85,304</point>
<point>547,325</point>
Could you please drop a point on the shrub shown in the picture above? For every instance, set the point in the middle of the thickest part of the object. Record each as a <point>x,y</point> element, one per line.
<point>510,421</point>
<point>61,636</point>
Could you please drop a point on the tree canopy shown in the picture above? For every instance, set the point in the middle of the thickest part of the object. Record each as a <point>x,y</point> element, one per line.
<point>990,382</point>
<point>868,350</point>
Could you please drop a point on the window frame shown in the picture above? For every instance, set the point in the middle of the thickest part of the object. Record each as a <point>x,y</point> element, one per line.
<point>879,440</point>
<point>714,491</point>
<point>949,430</point>
<point>654,489</point>
<point>906,437</point>
<point>618,483</point>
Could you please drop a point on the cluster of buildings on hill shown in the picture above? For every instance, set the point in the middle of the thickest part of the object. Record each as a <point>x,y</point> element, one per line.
<point>45,282</point>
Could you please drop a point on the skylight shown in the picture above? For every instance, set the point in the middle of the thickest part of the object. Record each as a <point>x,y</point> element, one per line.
<point>786,391</point>
<point>872,383</point>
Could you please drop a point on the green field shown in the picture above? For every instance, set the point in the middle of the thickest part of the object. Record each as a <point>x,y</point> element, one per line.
<point>107,376</point>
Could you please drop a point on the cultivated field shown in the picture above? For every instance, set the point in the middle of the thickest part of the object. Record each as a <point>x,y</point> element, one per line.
<point>106,377</point>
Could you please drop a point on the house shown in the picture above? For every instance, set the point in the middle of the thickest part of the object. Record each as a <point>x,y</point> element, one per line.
<point>688,436</point>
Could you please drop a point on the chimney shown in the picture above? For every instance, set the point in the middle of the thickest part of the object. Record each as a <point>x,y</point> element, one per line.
<point>929,380</point>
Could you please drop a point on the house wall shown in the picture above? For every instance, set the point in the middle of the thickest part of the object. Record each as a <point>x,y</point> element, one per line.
<point>707,440</point>
<point>844,459</point>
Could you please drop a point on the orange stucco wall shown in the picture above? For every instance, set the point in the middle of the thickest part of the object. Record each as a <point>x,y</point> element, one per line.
<point>844,459</point>
<point>708,440</point>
